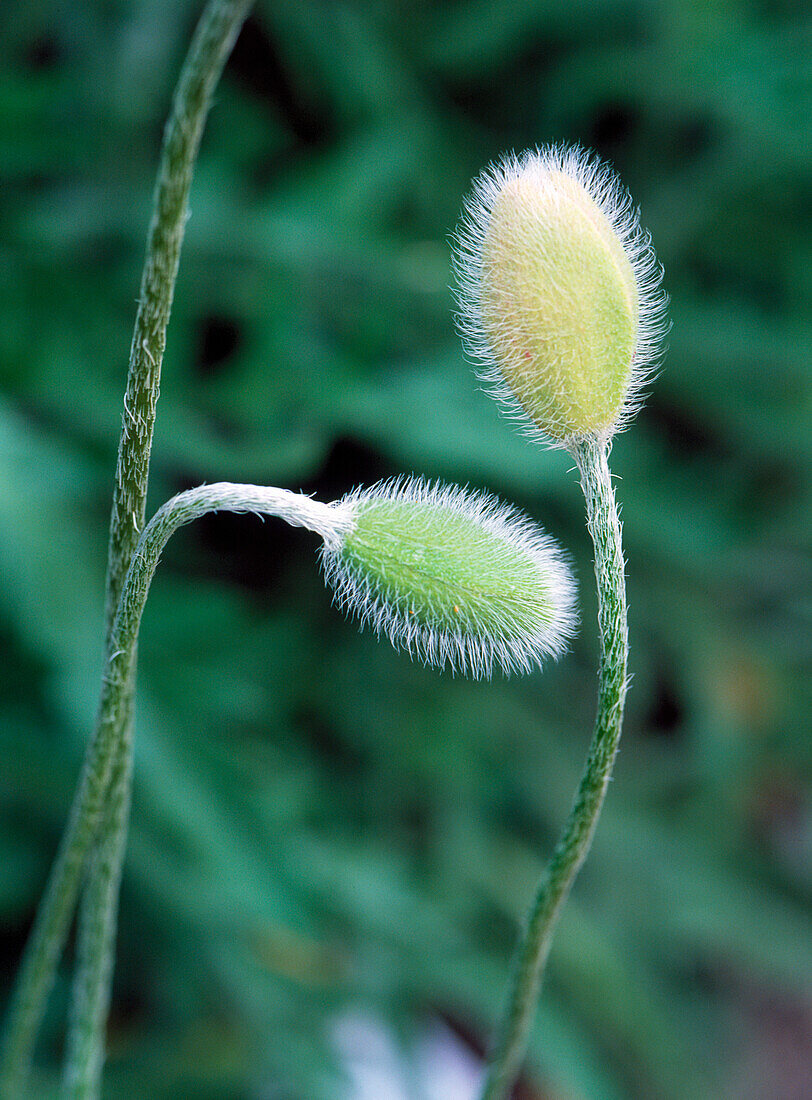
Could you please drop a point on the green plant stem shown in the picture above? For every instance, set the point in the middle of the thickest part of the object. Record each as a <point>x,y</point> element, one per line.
<point>83,1070</point>
<point>505,1059</point>
<point>112,730</point>
<point>211,45</point>
<point>98,917</point>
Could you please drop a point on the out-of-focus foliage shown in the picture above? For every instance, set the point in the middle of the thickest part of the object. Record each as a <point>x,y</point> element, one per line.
<point>320,827</point>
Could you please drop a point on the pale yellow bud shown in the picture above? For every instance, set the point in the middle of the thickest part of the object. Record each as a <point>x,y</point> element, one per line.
<point>559,293</point>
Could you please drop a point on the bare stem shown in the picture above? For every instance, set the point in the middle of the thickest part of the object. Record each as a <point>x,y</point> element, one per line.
<point>576,838</point>
<point>212,43</point>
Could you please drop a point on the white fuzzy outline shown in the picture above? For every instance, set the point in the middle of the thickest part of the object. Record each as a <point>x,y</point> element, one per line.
<point>613,200</point>
<point>512,646</point>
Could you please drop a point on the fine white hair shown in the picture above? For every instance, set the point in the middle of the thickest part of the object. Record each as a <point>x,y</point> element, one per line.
<point>510,638</point>
<point>612,199</point>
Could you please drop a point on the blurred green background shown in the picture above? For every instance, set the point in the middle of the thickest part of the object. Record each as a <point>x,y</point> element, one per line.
<point>327,840</point>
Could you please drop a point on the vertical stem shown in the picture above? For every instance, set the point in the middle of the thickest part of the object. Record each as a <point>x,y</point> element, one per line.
<point>95,948</point>
<point>210,47</point>
<point>36,974</point>
<point>576,838</point>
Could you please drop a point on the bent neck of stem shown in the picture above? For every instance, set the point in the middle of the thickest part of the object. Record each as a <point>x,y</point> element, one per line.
<point>591,457</point>
<point>329,521</point>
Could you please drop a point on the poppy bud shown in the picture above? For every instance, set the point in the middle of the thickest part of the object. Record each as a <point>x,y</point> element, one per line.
<point>559,293</point>
<point>453,577</point>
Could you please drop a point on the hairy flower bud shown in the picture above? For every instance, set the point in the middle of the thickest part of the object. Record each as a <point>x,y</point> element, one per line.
<point>453,577</point>
<point>559,293</point>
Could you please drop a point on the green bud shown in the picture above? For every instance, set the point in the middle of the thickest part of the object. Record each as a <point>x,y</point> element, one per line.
<point>559,293</point>
<point>453,577</point>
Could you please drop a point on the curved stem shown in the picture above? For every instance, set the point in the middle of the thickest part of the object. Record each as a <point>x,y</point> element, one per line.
<point>212,43</point>
<point>210,47</point>
<point>576,838</point>
<point>115,706</point>
<point>115,723</point>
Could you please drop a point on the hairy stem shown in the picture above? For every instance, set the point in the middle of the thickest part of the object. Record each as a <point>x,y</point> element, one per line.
<point>115,707</point>
<point>211,46</point>
<point>98,918</point>
<point>576,838</point>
